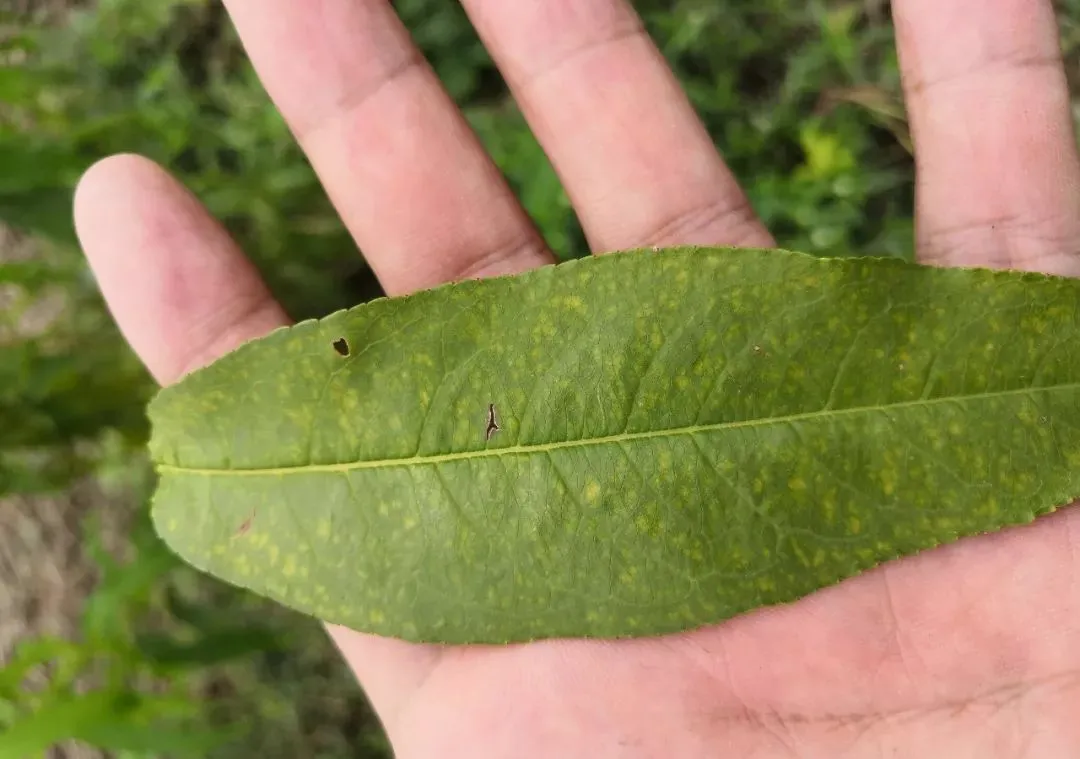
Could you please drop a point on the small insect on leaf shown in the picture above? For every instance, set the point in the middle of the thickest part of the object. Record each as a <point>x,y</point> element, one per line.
<point>341,345</point>
<point>492,424</point>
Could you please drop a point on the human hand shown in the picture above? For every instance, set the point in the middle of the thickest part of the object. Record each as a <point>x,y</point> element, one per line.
<point>968,650</point>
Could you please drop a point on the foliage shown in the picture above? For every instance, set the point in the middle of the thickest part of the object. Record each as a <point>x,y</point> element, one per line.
<point>166,664</point>
<point>762,421</point>
<point>801,97</point>
<point>127,684</point>
<point>164,79</point>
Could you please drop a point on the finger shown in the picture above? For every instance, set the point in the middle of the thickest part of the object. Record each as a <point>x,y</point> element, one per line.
<point>635,159</point>
<point>175,282</point>
<point>408,176</point>
<point>998,173</point>
<point>183,294</point>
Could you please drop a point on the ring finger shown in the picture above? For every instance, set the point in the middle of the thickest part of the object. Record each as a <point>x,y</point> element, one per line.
<point>635,158</point>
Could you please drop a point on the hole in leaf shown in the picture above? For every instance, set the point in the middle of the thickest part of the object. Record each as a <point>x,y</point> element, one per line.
<point>341,345</point>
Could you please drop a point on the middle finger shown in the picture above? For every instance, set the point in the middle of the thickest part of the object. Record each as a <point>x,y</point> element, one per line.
<point>404,170</point>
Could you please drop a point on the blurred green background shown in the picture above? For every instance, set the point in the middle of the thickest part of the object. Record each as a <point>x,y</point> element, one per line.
<point>108,646</point>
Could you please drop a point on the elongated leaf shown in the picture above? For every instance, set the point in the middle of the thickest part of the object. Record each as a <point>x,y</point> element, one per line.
<point>682,436</point>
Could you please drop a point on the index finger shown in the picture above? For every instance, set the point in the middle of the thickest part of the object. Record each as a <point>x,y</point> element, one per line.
<point>183,294</point>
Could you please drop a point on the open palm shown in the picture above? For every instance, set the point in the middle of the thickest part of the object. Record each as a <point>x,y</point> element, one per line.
<point>968,650</point>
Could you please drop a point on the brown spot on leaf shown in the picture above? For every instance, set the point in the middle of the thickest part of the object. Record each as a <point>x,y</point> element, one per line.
<point>244,526</point>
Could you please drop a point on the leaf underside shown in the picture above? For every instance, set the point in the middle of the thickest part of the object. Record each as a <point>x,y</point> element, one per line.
<point>681,436</point>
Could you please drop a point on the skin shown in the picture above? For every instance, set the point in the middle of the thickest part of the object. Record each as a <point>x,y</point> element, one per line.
<point>968,650</point>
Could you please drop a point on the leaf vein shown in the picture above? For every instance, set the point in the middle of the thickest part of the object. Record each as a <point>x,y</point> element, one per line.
<point>609,439</point>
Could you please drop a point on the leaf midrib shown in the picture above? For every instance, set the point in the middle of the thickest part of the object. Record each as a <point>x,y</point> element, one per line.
<point>618,438</point>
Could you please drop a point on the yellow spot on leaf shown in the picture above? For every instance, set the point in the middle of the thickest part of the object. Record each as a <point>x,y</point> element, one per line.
<point>592,491</point>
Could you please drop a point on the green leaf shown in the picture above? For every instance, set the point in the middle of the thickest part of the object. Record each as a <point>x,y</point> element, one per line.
<point>57,721</point>
<point>113,720</point>
<point>34,652</point>
<point>123,591</point>
<point>158,739</point>
<point>41,211</point>
<point>682,436</point>
<point>214,648</point>
<point>32,275</point>
<point>8,712</point>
